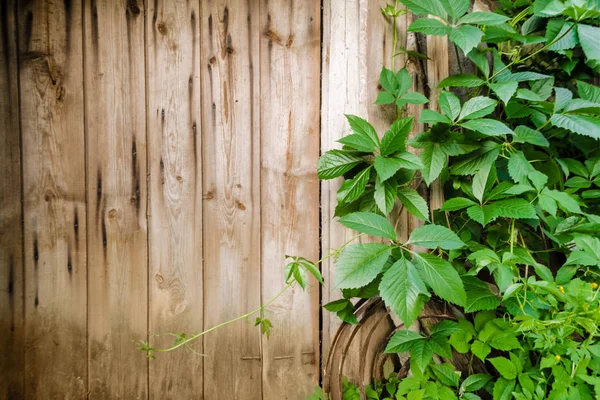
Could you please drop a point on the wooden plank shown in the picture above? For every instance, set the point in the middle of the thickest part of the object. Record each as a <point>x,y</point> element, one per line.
<point>116,191</point>
<point>357,42</point>
<point>231,153</point>
<point>11,246</point>
<point>52,121</point>
<point>175,217</point>
<point>289,82</point>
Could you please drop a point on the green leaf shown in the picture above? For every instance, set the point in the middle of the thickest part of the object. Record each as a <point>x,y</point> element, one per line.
<point>488,127</point>
<point>503,389</point>
<point>369,223</point>
<point>362,128</point>
<point>385,98</point>
<point>521,77</point>
<point>563,98</point>
<point>414,203</point>
<point>404,79</point>
<point>441,276</point>
<point>434,160</point>
<point>519,167</point>
<point>359,264</point>
<point>506,368</point>
<point>564,201</point>
<point>524,134</point>
<point>548,8</point>
<point>385,195</point>
<point>505,90</point>
<point>446,374</point>
<point>480,349</point>
<point>466,37</point>
<point>395,138</point>
<point>402,341</point>
<point>421,354</point>
<point>515,208</point>
<point>408,160</point>
<point>429,26</point>
<point>412,98</point>
<point>403,291</point>
<point>483,18</point>
<point>588,92</point>
<point>461,80</point>
<point>337,305</point>
<point>538,179</point>
<point>387,78</point>
<point>480,180</point>
<point>433,117</point>
<point>481,61</point>
<point>558,28</point>
<point>353,188</point>
<point>471,163</point>
<point>457,203</point>
<point>477,107</point>
<point>336,163</point>
<point>588,37</point>
<point>386,167</point>
<point>581,124</point>
<point>358,142</point>
<point>478,300</point>
<point>450,104</point>
<point>455,8</point>
<point>474,382</point>
<point>419,7</point>
<point>434,236</point>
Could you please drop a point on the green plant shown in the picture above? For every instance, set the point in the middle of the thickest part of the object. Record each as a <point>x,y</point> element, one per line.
<point>514,249</point>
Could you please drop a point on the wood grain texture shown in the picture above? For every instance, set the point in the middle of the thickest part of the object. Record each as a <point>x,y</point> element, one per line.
<point>289,82</point>
<point>116,192</point>
<point>175,216</point>
<point>51,92</point>
<point>231,153</point>
<point>11,246</point>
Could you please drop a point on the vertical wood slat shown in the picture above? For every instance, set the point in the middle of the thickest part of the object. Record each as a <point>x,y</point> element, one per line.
<point>116,192</point>
<point>175,214</point>
<point>290,84</point>
<point>11,246</point>
<point>231,153</point>
<point>52,120</point>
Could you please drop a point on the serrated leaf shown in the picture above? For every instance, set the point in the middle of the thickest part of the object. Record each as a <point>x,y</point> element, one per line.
<point>337,305</point>
<point>466,37</point>
<point>434,236</point>
<point>588,37</point>
<point>562,98</point>
<point>412,98</point>
<point>353,188</point>
<point>503,389</point>
<point>433,117</point>
<point>560,29</point>
<point>446,374</point>
<point>564,201</point>
<point>362,128</point>
<point>434,160</point>
<point>455,8</point>
<point>336,163</point>
<point>414,203</point>
<point>387,78</point>
<point>408,160</point>
<point>402,341</point>
<point>548,8</point>
<point>519,168</point>
<point>429,26</point>
<point>483,18</point>
<point>515,208</point>
<point>450,105</point>
<point>505,90</point>
<point>474,382</point>
<point>359,264</point>
<point>488,127</point>
<point>421,353</point>
<point>504,366</point>
<point>358,142</point>
<point>403,291</point>
<point>419,7</point>
<point>369,223</point>
<point>588,92</point>
<point>481,61</point>
<point>521,77</point>
<point>461,80</point>
<point>385,98</point>
<point>524,134</point>
<point>478,300</point>
<point>385,195</point>
<point>386,167</point>
<point>441,276</point>
<point>581,124</point>
<point>457,203</point>
<point>395,138</point>
<point>477,107</point>
<point>471,163</point>
<point>480,349</point>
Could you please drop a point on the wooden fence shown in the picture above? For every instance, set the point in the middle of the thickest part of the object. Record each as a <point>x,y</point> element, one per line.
<point>157,162</point>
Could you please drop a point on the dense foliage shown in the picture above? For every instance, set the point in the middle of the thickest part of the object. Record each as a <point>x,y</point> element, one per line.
<point>514,250</point>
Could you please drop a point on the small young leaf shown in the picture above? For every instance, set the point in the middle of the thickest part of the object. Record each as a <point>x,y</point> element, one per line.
<point>369,223</point>
<point>434,236</point>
